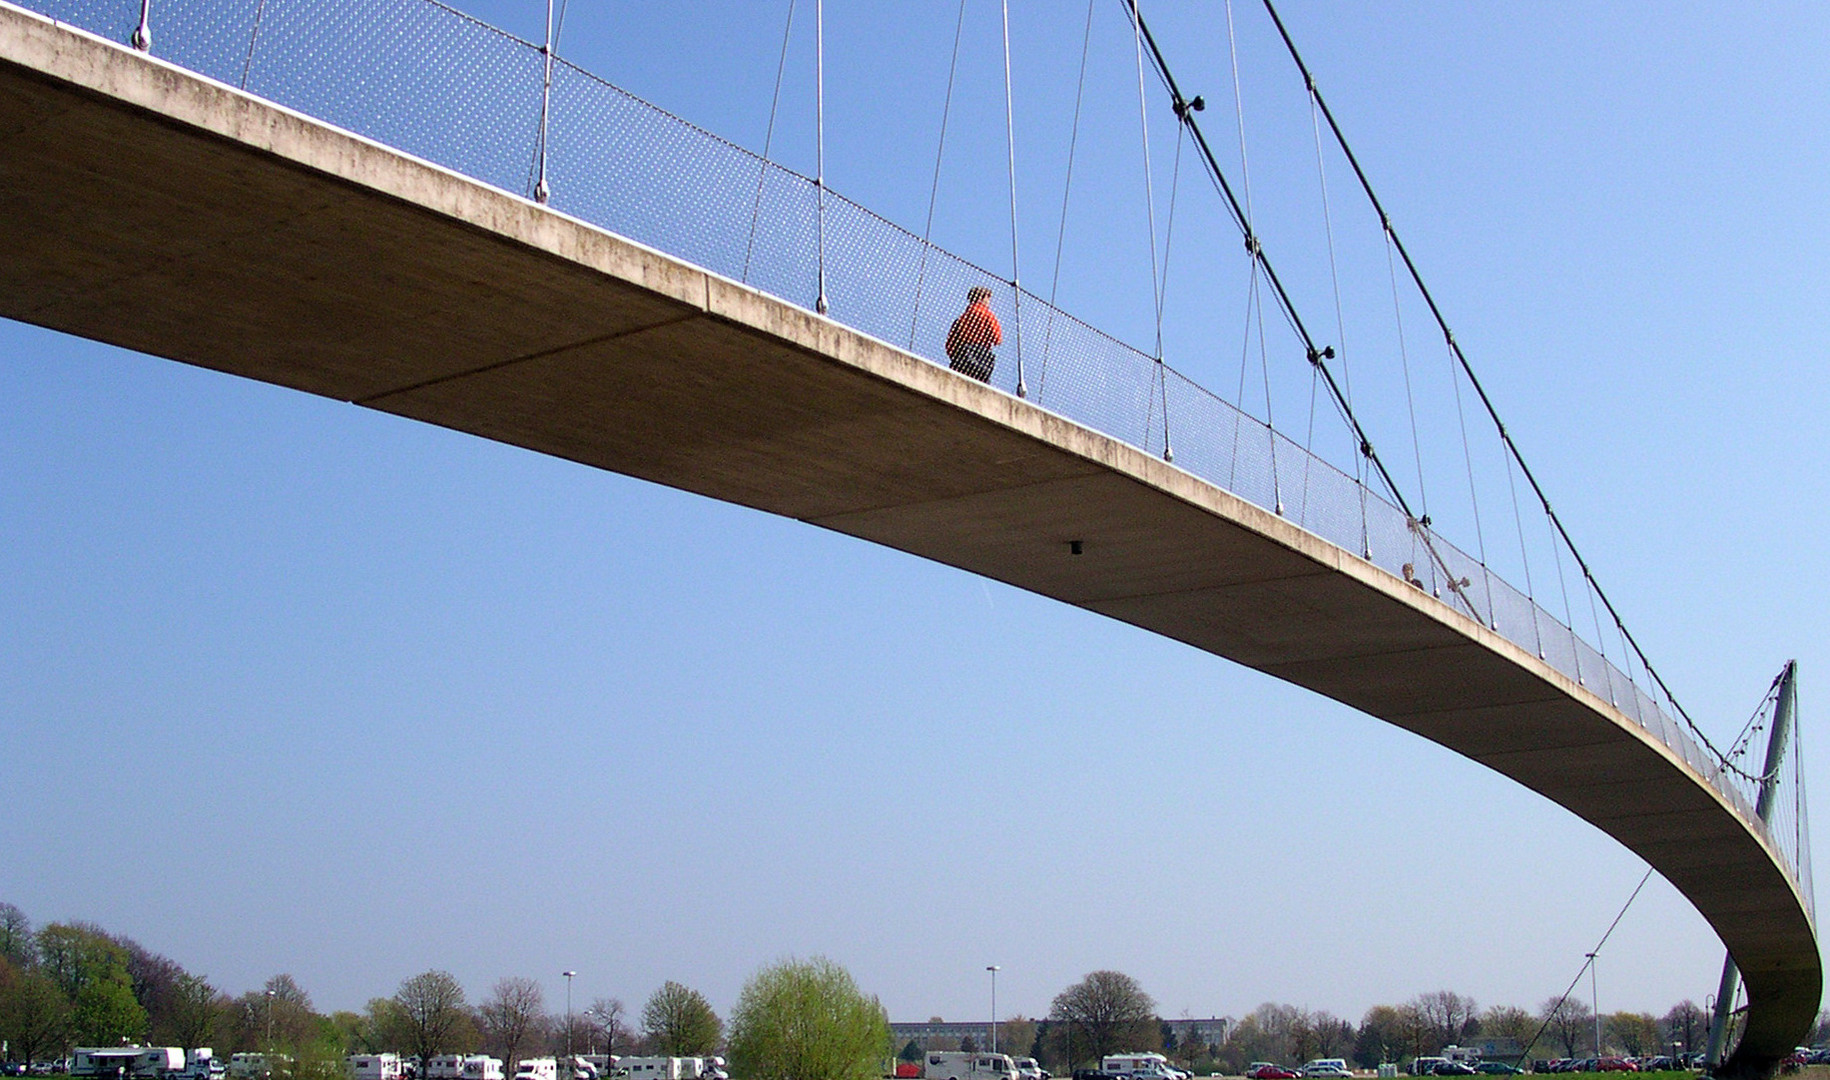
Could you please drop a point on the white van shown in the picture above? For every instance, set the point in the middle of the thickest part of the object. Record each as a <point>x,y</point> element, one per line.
<point>1146,1065</point>
<point>959,1065</point>
<point>373,1066</point>
<point>480,1067</point>
<point>660,1068</point>
<point>537,1069</point>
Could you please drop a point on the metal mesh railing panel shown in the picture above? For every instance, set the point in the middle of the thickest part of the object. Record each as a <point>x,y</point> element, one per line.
<point>432,82</point>
<point>112,19</point>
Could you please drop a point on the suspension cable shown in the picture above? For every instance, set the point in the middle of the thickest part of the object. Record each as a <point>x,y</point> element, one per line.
<point>1551,1013</point>
<point>1462,359</point>
<point>1067,185</point>
<point>762,171</point>
<point>1010,147</point>
<point>1156,289</point>
<point>1315,353</point>
<point>927,230</point>
<point>819,171</point>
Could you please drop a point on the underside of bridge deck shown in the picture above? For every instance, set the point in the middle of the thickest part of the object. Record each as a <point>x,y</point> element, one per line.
<point>151,209</point>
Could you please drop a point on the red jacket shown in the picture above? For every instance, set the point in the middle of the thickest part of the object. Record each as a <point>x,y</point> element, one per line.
<point>975,326</point>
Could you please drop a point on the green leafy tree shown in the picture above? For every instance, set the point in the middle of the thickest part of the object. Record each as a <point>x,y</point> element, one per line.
<point>105,1011</point>
<point>192,1009</point>
<point>34,1016</point>
<point>807,1020</point>
<point>432,1015</point>
<point>16,944</point>
<point>1636,1033</point>
<point>911,1052</point>
<point>1108,1011</point>
<point>679,1022</point>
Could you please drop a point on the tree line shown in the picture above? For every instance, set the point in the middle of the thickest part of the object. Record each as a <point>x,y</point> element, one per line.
<point>1108,1012</point>
<point>75,984</point>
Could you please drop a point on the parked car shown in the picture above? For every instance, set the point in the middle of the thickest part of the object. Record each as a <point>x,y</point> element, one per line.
<point>1614,1064</point>
<point>1452,1068</point>
<point>1264,1070</point>
<point>1496,1068</point>
<point>1330,1068</point>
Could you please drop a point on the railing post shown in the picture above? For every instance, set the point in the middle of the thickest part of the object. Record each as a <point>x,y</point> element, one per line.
<point>142,34</point>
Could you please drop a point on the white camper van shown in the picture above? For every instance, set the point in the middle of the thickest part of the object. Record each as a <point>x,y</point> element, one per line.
<point>537,1069</point>
<point>373,1066</point>
<point>480,1067</point>
<point>1140,1066</point>
<point>141,1062</point>
<point>959,1065</point>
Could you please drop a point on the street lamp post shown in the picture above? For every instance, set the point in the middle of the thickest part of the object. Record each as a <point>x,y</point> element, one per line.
<point>270,996</point>
<point>994,1006</point>
<point>569,976</point>
<point>1595,1000</point>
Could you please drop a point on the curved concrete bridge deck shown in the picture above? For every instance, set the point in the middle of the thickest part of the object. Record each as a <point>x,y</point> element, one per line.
<point>156,210</point>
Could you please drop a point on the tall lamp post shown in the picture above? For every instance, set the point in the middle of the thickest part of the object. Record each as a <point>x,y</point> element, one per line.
<point>994,1006</point>
<point>270,997</point>
<point>1595,1000</point>
<point>569,976</point>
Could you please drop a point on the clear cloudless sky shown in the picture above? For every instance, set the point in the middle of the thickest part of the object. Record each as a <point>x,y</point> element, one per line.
<point>289,685</point>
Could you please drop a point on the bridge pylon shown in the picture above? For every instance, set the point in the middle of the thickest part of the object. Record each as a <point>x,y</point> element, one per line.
<point>1751,1060</point>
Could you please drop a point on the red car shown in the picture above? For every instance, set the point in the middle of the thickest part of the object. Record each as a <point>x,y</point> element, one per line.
<point>1614,1064</point>
<point>1264,1070</point>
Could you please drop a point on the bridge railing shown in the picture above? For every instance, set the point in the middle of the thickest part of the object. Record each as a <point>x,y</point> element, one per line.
<point>435,83</point>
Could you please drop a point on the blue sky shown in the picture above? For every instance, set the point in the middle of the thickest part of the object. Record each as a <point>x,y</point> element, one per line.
<point>288,685</point>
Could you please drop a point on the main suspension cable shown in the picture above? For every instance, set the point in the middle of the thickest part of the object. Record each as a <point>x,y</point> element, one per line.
<point>1315,353</point>
<point>1492,412</point>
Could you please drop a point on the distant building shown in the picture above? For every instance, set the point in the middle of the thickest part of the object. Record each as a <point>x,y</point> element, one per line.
<point>926,1032</point>
<point>1209,1032</point>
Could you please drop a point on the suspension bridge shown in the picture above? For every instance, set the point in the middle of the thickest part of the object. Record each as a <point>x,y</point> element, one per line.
<point>460,227</point>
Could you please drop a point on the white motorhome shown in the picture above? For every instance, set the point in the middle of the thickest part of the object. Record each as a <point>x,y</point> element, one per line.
<point>141,1062</point>
<point>201,1064</point>
<point>250,1066</point>
<point>373,1066</point>
<point>445,1067</point>
<point>660,1068</point>
<point>1149,1065</point>
<point>480,1067</point>
<point>959,1065</point>
<point>537,1069</point>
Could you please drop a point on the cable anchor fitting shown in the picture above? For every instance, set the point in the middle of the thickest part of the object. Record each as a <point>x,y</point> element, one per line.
<point>1316,356</point>
<point>1366,448</point>
<point>1252,247</point>
<point>1199,104</point>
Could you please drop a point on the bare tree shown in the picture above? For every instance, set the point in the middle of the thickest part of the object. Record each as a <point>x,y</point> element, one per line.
<point>432,1013</point>
<point>1686,1024</point>
<point>512,1017</point>
<point>1447,1016</point>
<point>1570,1022</point>
<point>1107,1009</point>
<point>609,1022</point>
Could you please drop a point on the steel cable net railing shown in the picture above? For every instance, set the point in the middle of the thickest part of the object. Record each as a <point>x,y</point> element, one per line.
<point>433,82</point>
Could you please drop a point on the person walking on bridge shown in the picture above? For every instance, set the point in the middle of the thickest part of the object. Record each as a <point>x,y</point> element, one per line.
<point>973,336</point>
